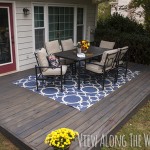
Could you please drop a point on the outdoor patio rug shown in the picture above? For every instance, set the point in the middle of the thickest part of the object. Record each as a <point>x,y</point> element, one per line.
<point>90,92</point>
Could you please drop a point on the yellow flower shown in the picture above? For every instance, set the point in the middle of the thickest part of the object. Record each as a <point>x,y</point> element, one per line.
<point>61,138</point>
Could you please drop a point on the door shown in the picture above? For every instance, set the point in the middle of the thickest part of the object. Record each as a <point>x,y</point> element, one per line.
<point>7,48</point>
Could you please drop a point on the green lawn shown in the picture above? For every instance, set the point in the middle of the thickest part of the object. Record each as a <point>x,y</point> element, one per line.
<point>138,126</point>
<point>135,134</point>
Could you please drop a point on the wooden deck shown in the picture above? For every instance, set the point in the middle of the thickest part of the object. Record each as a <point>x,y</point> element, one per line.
<point>27,117</point>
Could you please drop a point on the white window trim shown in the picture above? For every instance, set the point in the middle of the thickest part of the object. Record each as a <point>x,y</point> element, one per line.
<point>45,23</point>
<point>46,5</point>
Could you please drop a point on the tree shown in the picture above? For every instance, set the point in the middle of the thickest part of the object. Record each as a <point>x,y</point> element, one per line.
<point>104,10</point>
<point>145,4</point>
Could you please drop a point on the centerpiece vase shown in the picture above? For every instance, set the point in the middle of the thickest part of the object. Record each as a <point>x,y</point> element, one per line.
<point>84,50</point>
<point>78,50</point>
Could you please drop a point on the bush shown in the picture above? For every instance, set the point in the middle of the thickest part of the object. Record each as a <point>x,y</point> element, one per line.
<point>125,34</point>
<point>119,23</point>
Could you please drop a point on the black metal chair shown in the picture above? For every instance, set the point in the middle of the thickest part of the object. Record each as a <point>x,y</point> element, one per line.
<point>69,45</point>
<point>122,60</point>
<point>45,71</point>
<point>107,64</point>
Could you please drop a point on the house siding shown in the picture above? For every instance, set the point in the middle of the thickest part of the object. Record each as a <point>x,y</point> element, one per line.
<point>24,24</point>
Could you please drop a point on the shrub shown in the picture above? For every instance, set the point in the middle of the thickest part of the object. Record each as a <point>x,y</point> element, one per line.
<point>122,24</point>
<point>125,34</point>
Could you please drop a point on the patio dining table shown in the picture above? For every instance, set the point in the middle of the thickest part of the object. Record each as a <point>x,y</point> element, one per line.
<point>72,55</point>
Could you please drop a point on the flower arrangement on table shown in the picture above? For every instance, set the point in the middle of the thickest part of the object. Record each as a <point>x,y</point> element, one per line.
<point>61,139</point>
<point>84,45</point>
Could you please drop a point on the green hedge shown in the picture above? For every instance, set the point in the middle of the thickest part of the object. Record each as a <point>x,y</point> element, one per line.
<point>137,39</point>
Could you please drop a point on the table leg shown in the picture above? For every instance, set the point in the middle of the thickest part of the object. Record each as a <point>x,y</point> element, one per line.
<point>79,75</point>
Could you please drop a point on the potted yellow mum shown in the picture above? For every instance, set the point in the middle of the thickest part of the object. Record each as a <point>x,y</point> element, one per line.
<point>85,45</point>
<point>61,139</point>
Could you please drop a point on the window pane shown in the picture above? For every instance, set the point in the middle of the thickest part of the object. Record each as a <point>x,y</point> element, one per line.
<point>51,18</point>
<point>62,10</point>
<point>39,38</point>
<point>62,19</point>
<point>51,27</point>
<point>79,33</point>
<point>80,16</point>
<point>38,16</point>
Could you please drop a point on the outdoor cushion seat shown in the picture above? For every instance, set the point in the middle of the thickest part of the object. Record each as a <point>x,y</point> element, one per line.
<point>55,71</point>
<point>107,44</point>
<point>67,45</point>
<point>106,64</point>
<point>46,71</point>
<point>52,47</point>
<point>42,60</point>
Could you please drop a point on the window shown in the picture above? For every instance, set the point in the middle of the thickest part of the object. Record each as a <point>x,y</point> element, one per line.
<point>61,23</point>
<point>39,27</point>
<point>57,23</point>
<point>80,25</point>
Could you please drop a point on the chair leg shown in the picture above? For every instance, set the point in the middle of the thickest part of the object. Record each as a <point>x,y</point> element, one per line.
<point>64,79</point>
<point>75,68</point>
<point>61,83</point>
<point>116,76</point>
<point>37,88</point>
<point>84,71</point>
<point>71,65</point>
<point>126,69</point>
<point>103,81</point>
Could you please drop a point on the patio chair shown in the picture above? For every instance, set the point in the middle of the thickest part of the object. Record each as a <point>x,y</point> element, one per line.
<point>67,45</point>
<point>104,66</point>
<point>107,44</point>
<point>122,61</point>
<point>52,47</point>
<point>46,71</point>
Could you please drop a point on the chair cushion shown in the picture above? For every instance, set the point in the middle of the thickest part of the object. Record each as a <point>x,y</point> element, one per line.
<point>94,68</point>
<point>105,54</point>
<point>55,71</point>
<point>67,45</point>
<point>52,47</point>
<point>107,44</point>
<point>41,55</point>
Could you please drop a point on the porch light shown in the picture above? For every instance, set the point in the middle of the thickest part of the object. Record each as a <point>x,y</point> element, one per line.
<point>26,11</point>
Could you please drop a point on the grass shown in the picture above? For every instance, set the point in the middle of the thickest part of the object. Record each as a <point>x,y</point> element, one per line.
<point>136,129</point>
<point>137,126</point>
<point>5,144</point>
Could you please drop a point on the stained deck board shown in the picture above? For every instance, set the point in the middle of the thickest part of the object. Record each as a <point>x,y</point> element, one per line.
<point>112,118</point>
<point>80,124</point>
<point>30,116</point>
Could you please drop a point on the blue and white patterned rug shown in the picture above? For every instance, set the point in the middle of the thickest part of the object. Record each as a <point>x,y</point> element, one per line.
<point>90,92</point>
